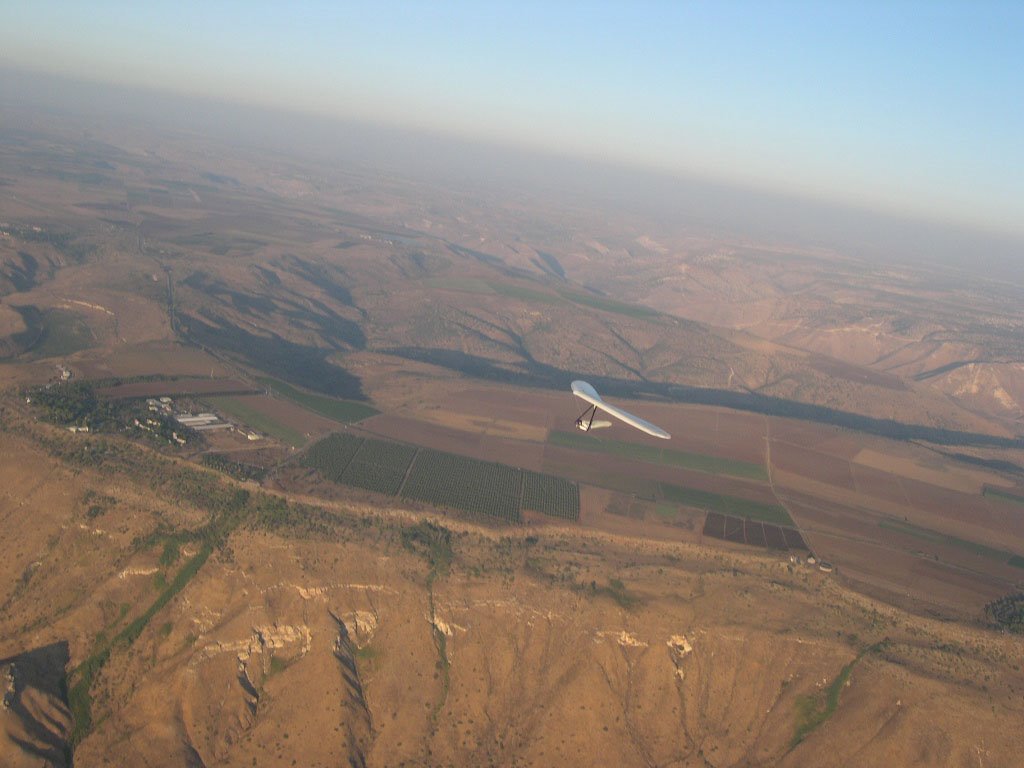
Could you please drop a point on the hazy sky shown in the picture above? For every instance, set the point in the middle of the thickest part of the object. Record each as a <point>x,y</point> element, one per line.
<point>915,107</point>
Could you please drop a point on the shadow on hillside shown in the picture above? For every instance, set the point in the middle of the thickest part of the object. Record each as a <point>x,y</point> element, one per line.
<point>42,671</point>
<point>530,373</point>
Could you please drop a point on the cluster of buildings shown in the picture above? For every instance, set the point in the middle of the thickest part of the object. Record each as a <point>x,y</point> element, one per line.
<point>811,560</point>
<point>160,405</point>
<point>200,422</point>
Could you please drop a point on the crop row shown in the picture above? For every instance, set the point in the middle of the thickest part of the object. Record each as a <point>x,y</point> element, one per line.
<point>379,466</point>
<point>380,478</point>
<point>467,484</point>
<point>440,478</point>
<point>551,496</point>
<point>332,455</point>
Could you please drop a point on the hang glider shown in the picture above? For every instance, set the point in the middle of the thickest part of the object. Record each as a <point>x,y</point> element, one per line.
<point>586,421</point>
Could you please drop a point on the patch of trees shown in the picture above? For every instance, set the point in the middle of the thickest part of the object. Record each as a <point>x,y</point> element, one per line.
<point>97,504</point>
<point>1008,612</point>
<point>236,469</point>
<point>433,543</point>
<point>71,402</point>
<point>75,403</point>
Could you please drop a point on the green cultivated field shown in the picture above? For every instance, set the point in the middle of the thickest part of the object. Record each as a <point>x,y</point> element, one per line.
<point>727,505</point>
<point>467,484</point>
<point>362,462</point>
<point>344,411</point>
<point>551,496</point>
<point>221,243</point>
<point>524,293</point>
<point>540,296</point>
<point>257,420</point>
<point>444,479</point>
<point>332,455</point>
<point>937,537</point>
<point>466,284</point>
<point>379,466</point>
<point>650,454</point>
<point>611,305</point>
<point>666,511</point>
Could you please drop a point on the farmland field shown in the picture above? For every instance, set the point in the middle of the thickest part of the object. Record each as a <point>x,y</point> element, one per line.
<point>551,496</point>
<point>151,358</point>
<point>774,537</point>
<point>332,455</point>
<point>943,538</point>
<point>562,462</point>
<point>666,456</point>
<point>183,386</point>
<point>445,479</point>
<point>257,419</point>
<point>752,532</point>
<point>465,284</point>
<point>733,529</point>
<point>379,466</point>
<point>344,411</point>
<point>815,464</point>
<point>467,484</point>
<point>468,422</point>
<point>610,305</point>
<point>524,293</point>
<point>890,558</point>
<point>422,433</point>
<point>729,505</point>
<point>907,576</point>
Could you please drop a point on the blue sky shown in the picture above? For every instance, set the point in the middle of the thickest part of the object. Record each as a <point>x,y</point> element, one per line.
<point>909,107</point>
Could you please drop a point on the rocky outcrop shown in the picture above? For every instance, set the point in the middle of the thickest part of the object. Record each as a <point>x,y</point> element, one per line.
<point>356,720</point>
<point>678,649</point>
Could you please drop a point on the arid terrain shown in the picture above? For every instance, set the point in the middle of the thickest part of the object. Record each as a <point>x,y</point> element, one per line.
<point>295,582</point>
<point>355,633</point>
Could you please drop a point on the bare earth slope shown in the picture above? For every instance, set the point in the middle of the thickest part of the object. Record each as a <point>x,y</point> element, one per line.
<point>954,331</point>
<point>357,636</point>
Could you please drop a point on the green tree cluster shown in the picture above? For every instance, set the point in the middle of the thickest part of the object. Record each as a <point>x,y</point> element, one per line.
<point>1008,612</point>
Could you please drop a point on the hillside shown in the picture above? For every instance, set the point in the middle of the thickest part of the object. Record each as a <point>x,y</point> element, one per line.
<point>278,581</point>
<point>367,636</point>
<point>257,265</point>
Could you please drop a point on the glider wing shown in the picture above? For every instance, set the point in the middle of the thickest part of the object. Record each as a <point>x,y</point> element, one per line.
<point>588,394</point>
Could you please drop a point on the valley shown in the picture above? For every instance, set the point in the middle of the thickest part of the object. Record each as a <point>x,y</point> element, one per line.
<point>395,549</point>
